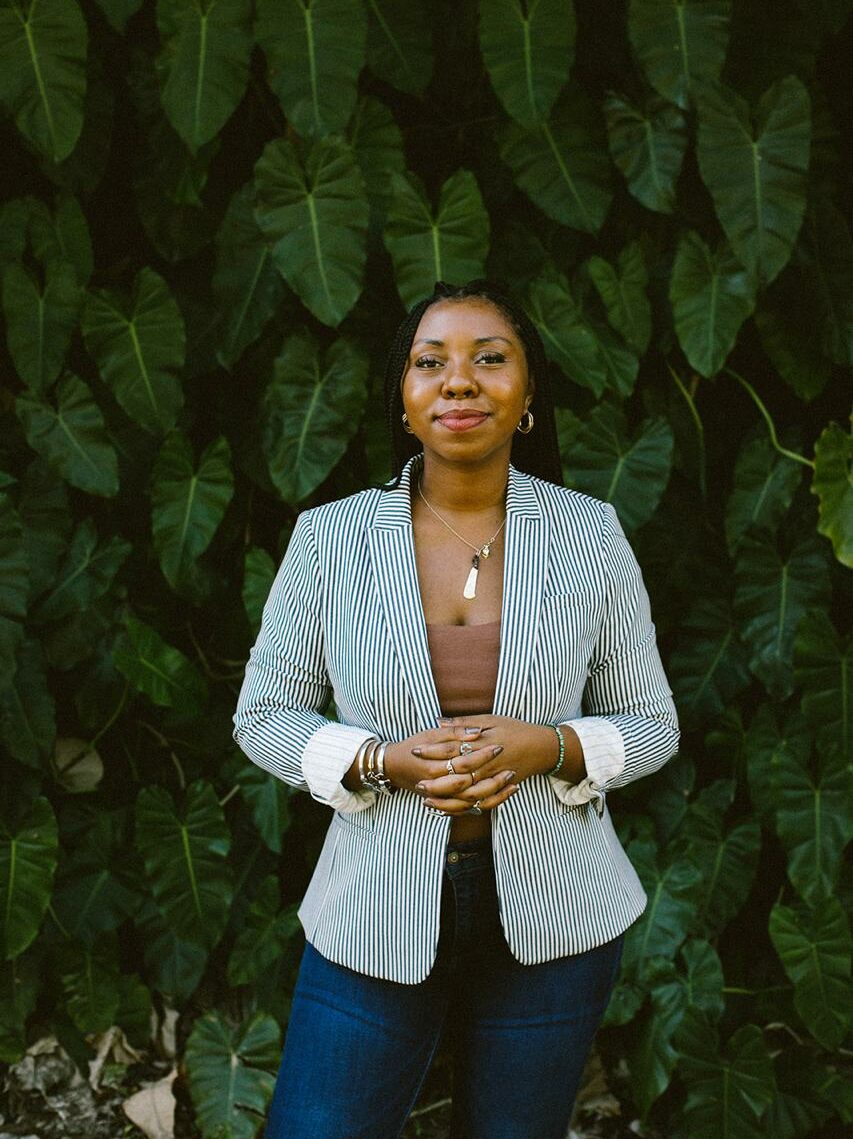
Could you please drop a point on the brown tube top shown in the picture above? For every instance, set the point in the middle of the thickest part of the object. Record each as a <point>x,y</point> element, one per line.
<point>465,666</point>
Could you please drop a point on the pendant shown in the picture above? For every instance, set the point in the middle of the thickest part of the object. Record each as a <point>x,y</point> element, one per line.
<point>470,590</point>
<point>486,550</point>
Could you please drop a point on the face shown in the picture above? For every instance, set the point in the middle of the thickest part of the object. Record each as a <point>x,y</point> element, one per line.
<point>466,385</point>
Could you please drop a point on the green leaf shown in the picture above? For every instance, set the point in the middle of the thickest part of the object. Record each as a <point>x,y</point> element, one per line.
<point>139,349</point>
<point>671,891</point>
<point>562,164</point>
<point>651,1056</point>
<point>28,854</point>
<point>188,502</point>
<point>774,587</point>
<point>62,235</point>
<point>378,145</point>
<point>399,43</point>
<point>825,252</point>
<point>771,747</point>
<point>729,1089</point>
<point>72,437</point>
<point>14,563</point>
<point>787,336</point>
<point>88,572</point>
<point>118,12</point>
<point>231,1073</point>
<point>629,471</point>
<point>264,937</point>
<point>823,667</point>
<point>40,320</point>
<point>43,72</point>
<point>315,50</point>
<point>708,666</point>
<point>246,283</point>
<point>20,981</point>
<point>623,292</point>
<point>815,948</point>
<point>11,639</point>
<point>158,669</point>
<point>316,216</point>
<point>184,850</point>
<point>258,576</point>
<point>528,50</point>
<point>92,991</point>
<point>755,166</point>
<point>711,296</point>
<point>27,709</point>
<point>204,59</point>
<point>588,352</point>
<point>764,485</point>
<point>95,889</point>
<point>833,485</point>
<point>174,965</point>
<point>647,144</point>
<point>704,979</point>
<point>449,243</point>
<point>680,44</point>
<point>268,800</point>
<point>312,407</point>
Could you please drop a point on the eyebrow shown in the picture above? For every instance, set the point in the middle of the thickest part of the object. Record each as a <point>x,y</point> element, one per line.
<point>479,340</point>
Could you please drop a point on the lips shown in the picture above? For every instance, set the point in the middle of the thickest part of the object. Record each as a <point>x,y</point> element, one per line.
<point>462,420</point>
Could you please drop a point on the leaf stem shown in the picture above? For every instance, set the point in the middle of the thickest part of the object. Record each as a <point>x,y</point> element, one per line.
<point>771,426</point>
<point>734,990</point>
<point>700,427</point>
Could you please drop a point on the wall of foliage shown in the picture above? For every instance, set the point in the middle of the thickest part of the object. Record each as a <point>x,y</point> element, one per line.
<point>218,211</point>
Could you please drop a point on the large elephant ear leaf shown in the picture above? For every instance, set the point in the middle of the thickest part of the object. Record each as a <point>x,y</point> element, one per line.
<point>14,567</point>
<point>139,349</point>
<point>188,501</point>
<point>825,252</point>
<point>528,50</point>
<point>27,709</point>
<point>184,850</point>
<point>629,471</point>
<point>764,485</point>
<point>449,243</point>
<point>755,167</point>
<point>708,665</point>
<point>823,668</point>
<point>316,216</point>
<point>312,408</point>
<point>258,577</point>
<point>40,319</point>
<point>648,145</point>
<point>711,296</point>
<point>88,571</point>
<point>815,948</point>
<point>315,50</point>
<point>377,142</point>
<point>671,891</point>
<point>562,164</point>
<point>399,43</point>
<point>231,1073</point>
<point>774,588</point>
<point>246,282</point>
<point>43,72</point>
<point>728,1089</point>
<point>72,437</point>
<point>622,289</point>
<point>833,484</point>
<point>158,669</point>
<point>681,44</point>
<point>28,855</point>
<point>204,60</point>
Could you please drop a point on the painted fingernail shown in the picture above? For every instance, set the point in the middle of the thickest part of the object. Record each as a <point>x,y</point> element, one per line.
<point>416,751</point>
<point>510,776</point>
<point>513,790</point>
<point>444,720</point>
<point>421,790</point>
<point>429,802</point>
<point>497,749</point>
<point>472,731</point>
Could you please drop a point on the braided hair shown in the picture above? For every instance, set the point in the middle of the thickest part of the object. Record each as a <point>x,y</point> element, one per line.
<point>537,453</point>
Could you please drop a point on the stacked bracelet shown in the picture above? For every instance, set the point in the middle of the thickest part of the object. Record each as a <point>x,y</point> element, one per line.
<point>562,754</point>
<point>370,762</point>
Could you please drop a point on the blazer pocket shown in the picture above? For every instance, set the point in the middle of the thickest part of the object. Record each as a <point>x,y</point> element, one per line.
<point>358,822</point>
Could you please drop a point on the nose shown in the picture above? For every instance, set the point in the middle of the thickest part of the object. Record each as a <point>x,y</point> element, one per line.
<point>459,381</point>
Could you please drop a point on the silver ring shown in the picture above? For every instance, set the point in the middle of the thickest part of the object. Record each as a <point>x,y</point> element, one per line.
<point>465,748</point>
<point>451,770</point>
<point>436,811</point>
<point>473,775</point>
<point>476,809</point>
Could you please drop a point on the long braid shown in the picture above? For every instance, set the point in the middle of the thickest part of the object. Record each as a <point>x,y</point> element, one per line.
<point>536,454</point>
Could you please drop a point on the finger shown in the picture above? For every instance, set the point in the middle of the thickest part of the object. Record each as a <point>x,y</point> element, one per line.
<point>501,797</point>
<point>451,787</point>
<point>463,807</point>
<point>440,781</point>
<point>485,788</point>
<point>462,761</point>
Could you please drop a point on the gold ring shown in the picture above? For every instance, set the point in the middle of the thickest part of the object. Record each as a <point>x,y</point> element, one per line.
<point>473,777</point>
<point>451,770</point>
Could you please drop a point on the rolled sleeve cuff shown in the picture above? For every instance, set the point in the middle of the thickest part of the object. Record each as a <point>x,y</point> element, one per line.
<point>325,761</point>
<point>604,759</point>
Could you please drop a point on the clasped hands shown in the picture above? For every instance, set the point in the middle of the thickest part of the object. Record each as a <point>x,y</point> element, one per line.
<point>503,751</point>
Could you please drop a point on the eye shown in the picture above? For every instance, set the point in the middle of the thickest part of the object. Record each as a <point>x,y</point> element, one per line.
<point>427,362</point>
<point>491,358</point>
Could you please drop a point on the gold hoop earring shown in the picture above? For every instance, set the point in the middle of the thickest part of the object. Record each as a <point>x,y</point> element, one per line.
<point>528,426</point>
<point>406,425</point>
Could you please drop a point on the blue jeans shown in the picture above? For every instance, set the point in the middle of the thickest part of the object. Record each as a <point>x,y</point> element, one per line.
<point>358,1048</point>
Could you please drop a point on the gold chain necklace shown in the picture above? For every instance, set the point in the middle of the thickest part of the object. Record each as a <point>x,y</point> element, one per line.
<point>470,590</point>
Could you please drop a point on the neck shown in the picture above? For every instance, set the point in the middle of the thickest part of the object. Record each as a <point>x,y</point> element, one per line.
<point>470,490</point>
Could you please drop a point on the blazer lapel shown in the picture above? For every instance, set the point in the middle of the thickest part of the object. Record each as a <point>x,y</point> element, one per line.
<point>392,556</point>
<point>525,568</point>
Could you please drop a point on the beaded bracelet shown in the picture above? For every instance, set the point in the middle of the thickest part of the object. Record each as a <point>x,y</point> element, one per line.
<point>562,754</point>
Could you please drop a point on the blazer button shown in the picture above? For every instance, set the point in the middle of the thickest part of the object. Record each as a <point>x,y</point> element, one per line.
<point>453,856</point>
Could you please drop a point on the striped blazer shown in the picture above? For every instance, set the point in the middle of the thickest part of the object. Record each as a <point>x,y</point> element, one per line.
<point>344,620</point>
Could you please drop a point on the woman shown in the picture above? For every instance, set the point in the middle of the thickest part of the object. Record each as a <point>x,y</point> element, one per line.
<point>470,876</point>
